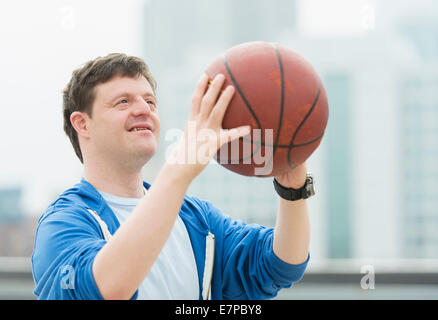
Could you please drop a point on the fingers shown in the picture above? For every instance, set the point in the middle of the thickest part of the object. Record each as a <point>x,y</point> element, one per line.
<point>212,103</point>
<point>228,135</point>
<point>218,113</point>
<point>211,96</point>
<point>199,92</point>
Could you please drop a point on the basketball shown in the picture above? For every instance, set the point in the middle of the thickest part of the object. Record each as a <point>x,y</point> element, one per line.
<point>280,95</point>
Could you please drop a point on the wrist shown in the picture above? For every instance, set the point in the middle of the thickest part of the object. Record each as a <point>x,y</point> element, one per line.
<point>178,173</point>
<point>292,194</point>
<point>295,179</point>
<point>296,184</point>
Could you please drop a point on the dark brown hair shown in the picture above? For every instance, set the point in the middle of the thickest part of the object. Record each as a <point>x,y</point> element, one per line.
<point>78,95</point>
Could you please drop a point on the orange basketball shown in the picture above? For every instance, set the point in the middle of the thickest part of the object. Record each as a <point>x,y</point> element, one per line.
<point>279,94</point>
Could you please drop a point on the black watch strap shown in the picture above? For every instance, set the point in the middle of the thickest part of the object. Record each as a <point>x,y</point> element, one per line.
<point>291,194</point>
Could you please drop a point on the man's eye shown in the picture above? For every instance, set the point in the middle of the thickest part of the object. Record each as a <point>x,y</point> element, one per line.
<point>151,102</point>
<point>123,101</point>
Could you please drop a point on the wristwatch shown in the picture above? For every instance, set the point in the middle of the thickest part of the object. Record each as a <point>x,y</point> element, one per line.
<point>292,194</point>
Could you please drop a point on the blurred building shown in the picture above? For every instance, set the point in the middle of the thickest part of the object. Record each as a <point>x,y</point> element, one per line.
<point>17,230</point>
<point>10,204</point>
<point>419,187</point>
<point>417,90</point>
<point>17,237</point>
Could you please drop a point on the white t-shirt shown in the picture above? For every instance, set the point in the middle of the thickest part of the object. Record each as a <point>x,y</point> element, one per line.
<point>174,274</point>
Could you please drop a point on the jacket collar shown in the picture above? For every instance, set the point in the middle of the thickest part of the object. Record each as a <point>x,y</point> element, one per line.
<point>92,199</point>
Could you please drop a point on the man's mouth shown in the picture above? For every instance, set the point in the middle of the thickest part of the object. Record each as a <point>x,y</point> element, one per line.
<point>140,129</point>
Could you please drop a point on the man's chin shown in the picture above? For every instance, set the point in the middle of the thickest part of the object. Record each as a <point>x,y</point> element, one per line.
<point>144,155</point>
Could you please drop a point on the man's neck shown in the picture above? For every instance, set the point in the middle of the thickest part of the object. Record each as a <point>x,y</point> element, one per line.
<point>115,179</point>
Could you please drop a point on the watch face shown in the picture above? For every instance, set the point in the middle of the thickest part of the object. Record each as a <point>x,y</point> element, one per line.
<point>310,190</point>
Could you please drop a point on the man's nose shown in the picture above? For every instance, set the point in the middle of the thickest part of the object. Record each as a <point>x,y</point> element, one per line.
<point>141,107</point>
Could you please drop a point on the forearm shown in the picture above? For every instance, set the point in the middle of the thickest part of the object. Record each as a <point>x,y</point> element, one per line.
<point>123,263</point>
<point>292,231</point>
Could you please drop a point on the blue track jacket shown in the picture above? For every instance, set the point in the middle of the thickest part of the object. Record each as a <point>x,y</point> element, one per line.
<point>68,238</point>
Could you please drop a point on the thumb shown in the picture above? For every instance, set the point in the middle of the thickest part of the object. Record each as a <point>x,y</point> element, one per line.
<point>228,135</point>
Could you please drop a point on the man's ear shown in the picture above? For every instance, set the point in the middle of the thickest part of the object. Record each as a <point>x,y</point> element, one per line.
<point>79,121</point>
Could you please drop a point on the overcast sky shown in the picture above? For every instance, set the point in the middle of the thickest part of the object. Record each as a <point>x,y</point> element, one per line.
<point>42,42</point>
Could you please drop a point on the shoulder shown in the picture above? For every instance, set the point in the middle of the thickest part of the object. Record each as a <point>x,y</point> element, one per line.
<point>72,205</point>
<point>62,229</point>
<point>65,211</point>
<point>65,218</point>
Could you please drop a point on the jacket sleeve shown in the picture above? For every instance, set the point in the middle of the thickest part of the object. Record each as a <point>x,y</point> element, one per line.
<point>66,243</point>
<point>249,267</point>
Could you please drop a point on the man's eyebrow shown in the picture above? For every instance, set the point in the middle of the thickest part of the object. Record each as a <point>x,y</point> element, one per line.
<point>149,94</point>
<point>129,94</point>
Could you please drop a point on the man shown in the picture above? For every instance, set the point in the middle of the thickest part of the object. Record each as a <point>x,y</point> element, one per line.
<point>113,236</point>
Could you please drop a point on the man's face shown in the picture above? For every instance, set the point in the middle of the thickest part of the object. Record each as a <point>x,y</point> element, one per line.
<point>125,123</point>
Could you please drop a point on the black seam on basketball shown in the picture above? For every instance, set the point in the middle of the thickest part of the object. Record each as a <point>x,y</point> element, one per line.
<point>291,145</point>
<point>277,137</point>
<point>308,142</point>
<point>247,104</point>
<point>284,146</point>
<point>291,164</point>
<point>280,63</point>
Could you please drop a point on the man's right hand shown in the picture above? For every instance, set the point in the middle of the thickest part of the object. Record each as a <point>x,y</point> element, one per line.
<point>204,135</point>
